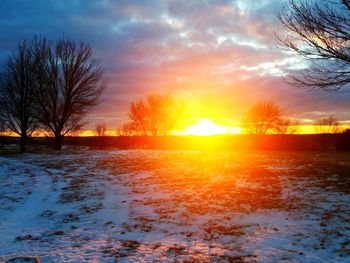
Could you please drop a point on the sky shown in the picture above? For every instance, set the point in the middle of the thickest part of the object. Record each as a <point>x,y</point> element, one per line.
<point>220,56</point>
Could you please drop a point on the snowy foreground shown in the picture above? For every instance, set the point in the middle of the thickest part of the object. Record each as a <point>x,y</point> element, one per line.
<point>156,206</point>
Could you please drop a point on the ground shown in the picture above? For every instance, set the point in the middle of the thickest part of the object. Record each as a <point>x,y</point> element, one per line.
<point>171,206</point>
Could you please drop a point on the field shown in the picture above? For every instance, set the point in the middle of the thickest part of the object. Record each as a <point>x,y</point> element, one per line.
<point>176,206</point>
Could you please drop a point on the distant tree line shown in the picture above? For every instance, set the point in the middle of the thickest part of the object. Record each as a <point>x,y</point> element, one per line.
<point>49,86</point>
<point>158,115</point>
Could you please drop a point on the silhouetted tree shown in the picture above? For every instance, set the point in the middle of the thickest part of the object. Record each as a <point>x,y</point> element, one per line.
<point>127,129</point>
<point>2,126</point>
<point>328,125</point>
<point>139,113</point>
<point>101,129</point>
<point>319,31</point>
<point>17,94</point>
<point>100,133</point>
<point>156,115</point>
<point>70,83</point>
<point>286,126</point>
<point>262,118</point>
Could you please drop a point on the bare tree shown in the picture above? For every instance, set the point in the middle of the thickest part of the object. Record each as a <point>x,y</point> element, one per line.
<point>319,31</point>
<point>2,126</point>
<point>100,133</point>
<point>17,94</point>
<point>262,118</point>
<point>139,113</point>
<point>70,83</point>
<point>127,129</point>
<point>156,115</point>
<point>327,125</point>
<point>286,126</point>
<point>101,130</point>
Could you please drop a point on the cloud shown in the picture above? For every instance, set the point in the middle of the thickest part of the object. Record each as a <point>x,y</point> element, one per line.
<point>220,51</point>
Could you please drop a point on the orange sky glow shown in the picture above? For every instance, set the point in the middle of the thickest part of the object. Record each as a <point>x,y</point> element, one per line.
<point>203,127</point>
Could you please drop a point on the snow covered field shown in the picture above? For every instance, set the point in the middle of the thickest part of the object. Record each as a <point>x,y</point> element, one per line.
<point>166,206</point>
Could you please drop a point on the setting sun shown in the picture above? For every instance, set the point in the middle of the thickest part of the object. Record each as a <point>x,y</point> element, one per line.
<point>175,131</point>
<point>206,127</point>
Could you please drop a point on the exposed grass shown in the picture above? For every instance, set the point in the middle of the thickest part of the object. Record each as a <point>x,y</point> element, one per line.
<point>242,206</point>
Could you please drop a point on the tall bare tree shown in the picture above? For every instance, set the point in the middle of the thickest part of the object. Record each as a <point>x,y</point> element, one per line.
<point>155,115</point>
<point>328,125</point>
<point>319,31</point>
<point>138,113</point>
<point>262,118</point>
<point>17,94</point>
<point>70,83</point>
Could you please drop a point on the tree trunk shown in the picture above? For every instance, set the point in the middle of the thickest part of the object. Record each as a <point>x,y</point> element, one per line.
<point>58,142</point>
<point>23,143</point>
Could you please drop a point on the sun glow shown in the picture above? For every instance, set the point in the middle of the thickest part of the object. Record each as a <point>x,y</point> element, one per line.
<point>205,127</point>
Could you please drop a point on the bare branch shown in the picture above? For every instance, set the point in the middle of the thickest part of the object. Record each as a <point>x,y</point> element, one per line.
<point>262,118</point>
<point>319,31</point>
<point>328,125</point>
<point>155,115</point>
<point>17,94</point>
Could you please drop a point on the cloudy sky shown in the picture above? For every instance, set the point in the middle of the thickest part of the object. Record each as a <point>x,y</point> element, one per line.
<point>220,55</point>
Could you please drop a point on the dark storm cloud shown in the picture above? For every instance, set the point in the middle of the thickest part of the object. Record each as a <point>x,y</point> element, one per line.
<point>219,47</point>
